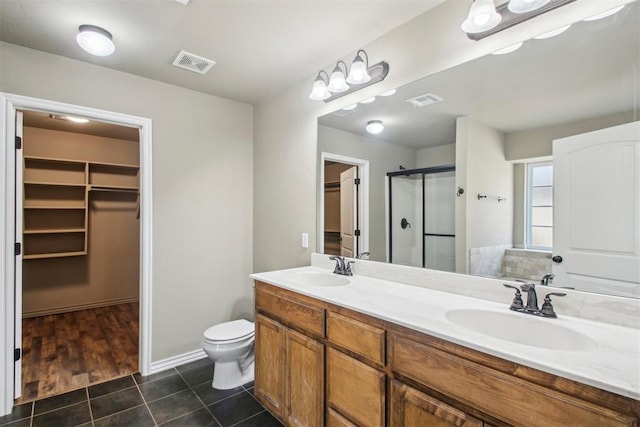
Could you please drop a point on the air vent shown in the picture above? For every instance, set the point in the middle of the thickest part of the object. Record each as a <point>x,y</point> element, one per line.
<point>424,100</point>
<point>192,62</point>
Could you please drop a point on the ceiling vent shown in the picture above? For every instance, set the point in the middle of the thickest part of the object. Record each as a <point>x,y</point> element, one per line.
<point>192,62</point>
<point>424,100</point>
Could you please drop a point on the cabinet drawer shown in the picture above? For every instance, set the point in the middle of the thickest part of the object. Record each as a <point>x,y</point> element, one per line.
<point>503,396</point>
<point>365,340</point>
<point>297,313</point>
<point>355,389</point>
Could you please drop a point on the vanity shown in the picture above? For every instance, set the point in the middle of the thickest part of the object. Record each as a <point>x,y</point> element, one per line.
<point>364,350</point>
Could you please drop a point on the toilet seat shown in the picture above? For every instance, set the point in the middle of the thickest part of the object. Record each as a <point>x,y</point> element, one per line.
<point>230,332</point>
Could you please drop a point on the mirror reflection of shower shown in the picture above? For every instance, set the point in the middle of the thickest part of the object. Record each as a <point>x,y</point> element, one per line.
<point>421,217</point>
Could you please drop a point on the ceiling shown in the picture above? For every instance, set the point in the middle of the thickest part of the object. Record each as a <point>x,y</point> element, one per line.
<point>58,122</point>
<point>260,46</point>
<point>590,70</point>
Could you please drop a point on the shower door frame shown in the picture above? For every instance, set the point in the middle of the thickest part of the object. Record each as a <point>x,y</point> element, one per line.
<point>407,172</point>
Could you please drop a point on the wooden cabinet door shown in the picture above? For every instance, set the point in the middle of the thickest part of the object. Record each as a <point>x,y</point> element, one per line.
<point>269,364</point>
<point>304,384</point>
<point>355,389</point>
<point>410,407</point>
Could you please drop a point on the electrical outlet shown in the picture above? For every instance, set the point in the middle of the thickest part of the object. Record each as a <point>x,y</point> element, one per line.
<point>305,240</point>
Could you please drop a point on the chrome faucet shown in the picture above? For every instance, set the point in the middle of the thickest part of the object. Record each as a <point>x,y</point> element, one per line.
<point>363,255</point>
<point>343,268</point>
<point>532,301</point>
<point>546,279</point>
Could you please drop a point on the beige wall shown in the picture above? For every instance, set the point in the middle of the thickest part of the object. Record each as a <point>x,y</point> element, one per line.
<point>202,187</point>
<point>286,128</point>
<point>436,156</point>
<point>481,168</point>
<point>383,157</point>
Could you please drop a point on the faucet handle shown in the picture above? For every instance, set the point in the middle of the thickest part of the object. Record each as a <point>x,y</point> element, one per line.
<point>547,308</point>
<point>347,268</point>
<point>517,303</point>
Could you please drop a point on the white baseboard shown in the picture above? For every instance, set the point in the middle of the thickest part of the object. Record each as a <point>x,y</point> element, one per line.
<point>77,307</point>
<point>172,362</point>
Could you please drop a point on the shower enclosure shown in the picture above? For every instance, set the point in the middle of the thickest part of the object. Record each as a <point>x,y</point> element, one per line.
<point>421,216</point>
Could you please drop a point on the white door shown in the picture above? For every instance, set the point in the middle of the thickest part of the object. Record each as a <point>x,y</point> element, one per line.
<point>348,212</point>
<point>596,228</point>
<point>17,384</point>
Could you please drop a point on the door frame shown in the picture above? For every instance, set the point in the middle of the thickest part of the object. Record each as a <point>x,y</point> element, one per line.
<point>9,104</point>
<point>363,198</point>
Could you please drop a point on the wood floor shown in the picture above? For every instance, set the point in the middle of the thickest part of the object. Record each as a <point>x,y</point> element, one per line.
<point>63,352</point>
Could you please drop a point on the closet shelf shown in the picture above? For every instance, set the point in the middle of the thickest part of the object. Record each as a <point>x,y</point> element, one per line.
<point>112,187</point>
<point>52,207</point>
<point>54,184</point>
<point>54,255</point>
<point>55,230</point>
<point>81,162</point>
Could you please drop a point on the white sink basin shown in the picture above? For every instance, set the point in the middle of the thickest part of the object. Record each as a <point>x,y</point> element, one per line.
<point>522,329</point>
<point>320,279</point>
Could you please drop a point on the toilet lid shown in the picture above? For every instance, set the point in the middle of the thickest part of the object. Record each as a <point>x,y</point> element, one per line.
<point>227,331</point>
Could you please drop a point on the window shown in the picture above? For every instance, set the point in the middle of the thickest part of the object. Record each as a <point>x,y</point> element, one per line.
<point>540,205</point>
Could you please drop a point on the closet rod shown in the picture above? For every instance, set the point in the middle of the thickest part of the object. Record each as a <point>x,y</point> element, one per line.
<point>114,190</point>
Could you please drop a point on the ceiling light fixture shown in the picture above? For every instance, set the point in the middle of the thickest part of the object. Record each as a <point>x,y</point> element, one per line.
<point>374,127</point>
<point>345,80</point>
<point>73,119</point>
<point>605,13</point>
<point>95,40</point>
<point>484,19</point>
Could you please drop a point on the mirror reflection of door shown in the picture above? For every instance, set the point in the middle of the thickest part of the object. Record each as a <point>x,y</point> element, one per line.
<point>596,182</point>
<point>340,208</point>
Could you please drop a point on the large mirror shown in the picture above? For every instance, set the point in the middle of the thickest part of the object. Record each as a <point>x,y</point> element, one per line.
<point>462,176</point>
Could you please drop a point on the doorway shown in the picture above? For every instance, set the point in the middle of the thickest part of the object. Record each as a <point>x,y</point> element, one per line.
<point>343,205</point>
<point>32,245</point>
<point>79,221</point>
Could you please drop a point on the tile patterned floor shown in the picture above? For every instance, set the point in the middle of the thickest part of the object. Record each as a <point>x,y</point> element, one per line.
<point>176,397</point>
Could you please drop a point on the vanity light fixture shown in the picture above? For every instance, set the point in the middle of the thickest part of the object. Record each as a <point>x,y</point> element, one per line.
<point>482,17</point>
<point>350,107</point>
<point>368,100</point>
<point>374,127</point>
<point>95,40</point>
<point>605,13</point>
<point>485,19</point>
<point>345,80</point>
<point>552,33</point>
<point>388,93</point>
<point>508,49</point>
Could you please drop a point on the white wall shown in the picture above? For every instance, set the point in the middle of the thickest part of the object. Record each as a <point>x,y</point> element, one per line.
<point>487,222</point>
<point>286,124</point>
<point>383,157</point>
<point>436,156</point>
<point>202,180</point>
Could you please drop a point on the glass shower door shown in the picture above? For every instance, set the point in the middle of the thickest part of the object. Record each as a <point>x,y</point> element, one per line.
<point>439,221</point>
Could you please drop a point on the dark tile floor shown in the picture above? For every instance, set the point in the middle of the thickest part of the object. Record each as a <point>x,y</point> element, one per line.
<point>176,397</point>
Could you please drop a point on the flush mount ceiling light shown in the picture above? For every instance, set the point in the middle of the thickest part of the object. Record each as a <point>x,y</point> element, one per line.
<point>344,80</point>
<point>73,119</point>
<point>481,22</point>
<point>374,127</point>
<point>95,40</point>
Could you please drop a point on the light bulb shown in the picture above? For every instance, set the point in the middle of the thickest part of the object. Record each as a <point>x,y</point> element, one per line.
<point>482,17</point>
<point>552,33</point>
<point>358,73</point>
<point>524,6</point>
<point>508,49</point>
<point>605,13</point>
<point>337,82</point>
<point>319,90</point>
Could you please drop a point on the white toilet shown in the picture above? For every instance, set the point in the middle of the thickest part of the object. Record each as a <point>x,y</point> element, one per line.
<point>230,346</point>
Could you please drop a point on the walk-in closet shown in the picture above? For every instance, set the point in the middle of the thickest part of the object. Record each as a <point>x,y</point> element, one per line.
<point>80,252</point>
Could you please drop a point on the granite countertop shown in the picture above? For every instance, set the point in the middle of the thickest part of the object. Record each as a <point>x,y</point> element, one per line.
<point>612,364</point>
